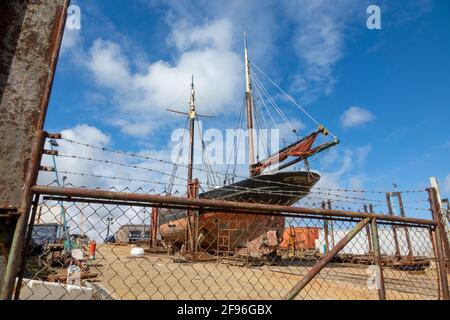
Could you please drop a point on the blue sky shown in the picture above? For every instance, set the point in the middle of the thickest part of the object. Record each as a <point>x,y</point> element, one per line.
<point>385,93</point>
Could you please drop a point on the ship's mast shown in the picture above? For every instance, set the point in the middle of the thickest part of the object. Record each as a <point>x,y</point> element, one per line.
<point>249,100</point>
<point>192,117</point>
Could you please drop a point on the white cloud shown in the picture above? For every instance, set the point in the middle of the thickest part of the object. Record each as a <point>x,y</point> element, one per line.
<point>319,39</point>
<point>142,97</point>
<point>109,65</point>
<point>71,41</point>
<point>343,168</point>
<point>356,116</point>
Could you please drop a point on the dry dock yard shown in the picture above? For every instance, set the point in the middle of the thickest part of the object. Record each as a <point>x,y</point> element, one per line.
<point>157,276</point>
<point>83,217</point>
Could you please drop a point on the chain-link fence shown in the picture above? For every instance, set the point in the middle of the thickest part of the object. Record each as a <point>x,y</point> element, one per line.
<point>108,249</point>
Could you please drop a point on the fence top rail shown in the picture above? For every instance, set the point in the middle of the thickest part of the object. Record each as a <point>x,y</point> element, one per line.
<point>209,204</point>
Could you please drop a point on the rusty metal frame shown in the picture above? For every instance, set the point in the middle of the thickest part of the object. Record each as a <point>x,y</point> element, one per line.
<point>377,254</point>
<point>218,205</point>
<point>15,255</point>
<point>362,219</point>
<point>32,33</point>
<point>22,208</point>
<point>31,36</point>
<point>439,234</point>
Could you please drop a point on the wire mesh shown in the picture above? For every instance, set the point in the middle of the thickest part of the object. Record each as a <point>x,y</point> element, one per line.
<point>98,249</point>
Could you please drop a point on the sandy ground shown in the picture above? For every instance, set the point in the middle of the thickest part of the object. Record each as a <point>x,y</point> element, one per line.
<point>158,277</point>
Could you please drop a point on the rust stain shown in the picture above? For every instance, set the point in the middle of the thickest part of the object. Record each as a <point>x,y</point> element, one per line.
<point>30,37</point>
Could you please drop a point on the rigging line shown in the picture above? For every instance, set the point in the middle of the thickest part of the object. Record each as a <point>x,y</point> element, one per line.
<point>176,164</point>
<point>240,139</point>
<point>265,107</point>
<point>263,119</point>
<point>272,101</point>
<point>274,104</point>
<point>260,122</point>
<point>258,125</point>
<point>238,126</point>
<point>208,169</point>
<point>289,97</point>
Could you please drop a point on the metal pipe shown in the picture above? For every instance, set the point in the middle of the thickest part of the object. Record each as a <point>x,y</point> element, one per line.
<point>431,234</point>
<point>369,239</point>
<point>331,224</point>
<point>15,254</point>
<point>394,228</point>
<point>211,205</point>
<point>377,256</point>
<point>322,263</point>
<point>439,249</point>
<point>27,246</point>
<point>325,230</point>
<point>154,227</point>
<point>329,218</point>
<point>402,213</point>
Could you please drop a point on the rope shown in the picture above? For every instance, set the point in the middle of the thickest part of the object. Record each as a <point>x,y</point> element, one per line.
<point>289,97</point>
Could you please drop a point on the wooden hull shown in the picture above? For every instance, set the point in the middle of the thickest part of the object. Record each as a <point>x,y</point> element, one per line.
<point>230,232</point>
<point>226,232</point>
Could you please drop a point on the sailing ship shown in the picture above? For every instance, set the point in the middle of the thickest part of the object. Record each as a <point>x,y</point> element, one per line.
<point>234,232</point>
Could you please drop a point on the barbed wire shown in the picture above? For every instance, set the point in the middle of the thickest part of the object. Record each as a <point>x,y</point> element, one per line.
<point>116,178</point>
<point>298,193</point>
<point>145,157</point>
<point>362,201</point>
<point>230,186</point>
<point>368,191</point>
<point>134,155</point>
<point>119,164</point>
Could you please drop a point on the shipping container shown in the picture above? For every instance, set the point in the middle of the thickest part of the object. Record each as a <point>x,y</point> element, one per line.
<point>300,238</point>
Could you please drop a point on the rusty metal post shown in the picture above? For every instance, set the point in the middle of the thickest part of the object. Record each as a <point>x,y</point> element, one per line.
<point>402,213</point>
<point>192,217</point>
<point>433,246</point>
<point>369,239</point>
<point>323,262</point>
<point>438,233</point>
<point>394,228</point>
<point>27,246</point>
<point>378,261</point>
<point>331,224</point>
<point>154,227</point>
<point>15,254</point>
<point>325,230</point>
<point>30,39</point>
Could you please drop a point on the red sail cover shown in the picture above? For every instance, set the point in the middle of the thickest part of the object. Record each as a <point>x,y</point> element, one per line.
<point>302,149</point>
